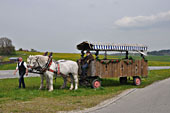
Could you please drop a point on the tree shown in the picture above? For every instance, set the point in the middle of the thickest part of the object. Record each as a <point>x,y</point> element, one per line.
<point>6,47</point>
<point>20,49</point>
<point>33,50</point>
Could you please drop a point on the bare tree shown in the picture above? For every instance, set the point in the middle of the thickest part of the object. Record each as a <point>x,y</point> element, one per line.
<point>6,46</point>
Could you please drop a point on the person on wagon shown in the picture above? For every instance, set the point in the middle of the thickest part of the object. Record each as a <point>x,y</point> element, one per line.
<point>85,62</point>
<point>22,67</point>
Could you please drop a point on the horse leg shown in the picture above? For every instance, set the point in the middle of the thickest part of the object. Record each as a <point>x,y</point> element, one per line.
<point>76,81</point>
<point>65,82</point>
<point>42,81</point>
<point>50,82</point>
<point>47,82</point>
<point>72,81</point>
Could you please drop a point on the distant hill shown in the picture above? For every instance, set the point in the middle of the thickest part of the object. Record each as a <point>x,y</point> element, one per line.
<point>160,53</point>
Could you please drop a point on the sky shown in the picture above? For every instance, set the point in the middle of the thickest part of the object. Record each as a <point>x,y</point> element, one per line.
<point>59,25</point>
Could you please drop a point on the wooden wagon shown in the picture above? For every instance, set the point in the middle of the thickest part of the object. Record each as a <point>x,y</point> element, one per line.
<point>107,68</point>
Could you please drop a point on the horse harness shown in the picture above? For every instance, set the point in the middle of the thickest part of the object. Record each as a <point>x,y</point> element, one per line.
<point>48,67</point>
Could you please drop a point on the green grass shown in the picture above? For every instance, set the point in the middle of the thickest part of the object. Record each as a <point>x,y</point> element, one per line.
<point>158,63</point>
<point>12,99</point>
<point>8,66</point>
<point>159,58</point>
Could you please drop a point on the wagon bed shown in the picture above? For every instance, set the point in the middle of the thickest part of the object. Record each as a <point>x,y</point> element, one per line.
<point>122,68</point>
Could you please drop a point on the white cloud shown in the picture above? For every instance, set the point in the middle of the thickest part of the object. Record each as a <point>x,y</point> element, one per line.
<point>142,21</point>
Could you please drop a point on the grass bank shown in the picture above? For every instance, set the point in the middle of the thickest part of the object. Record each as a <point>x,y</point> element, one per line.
<point>31,99</point>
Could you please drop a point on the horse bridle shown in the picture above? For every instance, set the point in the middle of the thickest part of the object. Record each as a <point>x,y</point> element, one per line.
<point>38,68</point>
<point>46,67</point>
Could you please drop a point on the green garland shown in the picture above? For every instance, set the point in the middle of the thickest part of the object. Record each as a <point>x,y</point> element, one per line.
<point>108,62</point>
<point>129,62</point>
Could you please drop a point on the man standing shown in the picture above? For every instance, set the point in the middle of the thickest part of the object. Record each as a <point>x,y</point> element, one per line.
<point>22,67</point>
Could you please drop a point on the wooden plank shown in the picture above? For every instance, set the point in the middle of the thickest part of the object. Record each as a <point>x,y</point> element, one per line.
<point>130,69</point>
<point>120,69</point>
<point>133,68</point>
<point>113,69</point>
<point>109,69</point>
<point>100,70</point>
<point>139,67</point>
<point>116,69</point>
<point>125,70</point>
<point>104,71</point>
<point>97,68</point>
<point>145,68</point>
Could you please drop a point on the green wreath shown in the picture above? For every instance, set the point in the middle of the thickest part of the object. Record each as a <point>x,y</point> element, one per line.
<point>108,62</point>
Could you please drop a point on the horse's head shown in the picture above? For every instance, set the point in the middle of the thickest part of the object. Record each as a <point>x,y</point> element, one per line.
<point>32,62</point>
<point>37,62</point>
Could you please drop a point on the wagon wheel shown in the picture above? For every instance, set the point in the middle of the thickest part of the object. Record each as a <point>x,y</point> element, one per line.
<point>96,83</point>
<point>123,80</point>
<point>137,80</point>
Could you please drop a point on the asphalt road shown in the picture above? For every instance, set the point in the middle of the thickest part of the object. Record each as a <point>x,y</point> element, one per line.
<point>9,74</point>
<point>152,99</point>
<point>158,67</point>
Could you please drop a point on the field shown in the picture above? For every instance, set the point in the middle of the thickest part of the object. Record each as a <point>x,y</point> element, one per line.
<point>152,60</point>
<point>24,55</point>
<point>13,99</point>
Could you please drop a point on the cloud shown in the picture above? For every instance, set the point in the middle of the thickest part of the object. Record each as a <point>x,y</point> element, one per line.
<point>142,21</point>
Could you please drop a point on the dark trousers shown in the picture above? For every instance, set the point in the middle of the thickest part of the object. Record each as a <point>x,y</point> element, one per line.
<point>84,69</point>
<point>21,81</point>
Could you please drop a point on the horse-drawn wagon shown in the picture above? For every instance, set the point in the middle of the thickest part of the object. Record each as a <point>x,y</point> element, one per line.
<point>98,68</point>
<point>107,68</point>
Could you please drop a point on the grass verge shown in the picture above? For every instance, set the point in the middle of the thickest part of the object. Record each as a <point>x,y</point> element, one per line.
<point>31,99</point>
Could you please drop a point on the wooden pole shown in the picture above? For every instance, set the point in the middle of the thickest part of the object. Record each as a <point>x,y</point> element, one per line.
<point>105,55</point>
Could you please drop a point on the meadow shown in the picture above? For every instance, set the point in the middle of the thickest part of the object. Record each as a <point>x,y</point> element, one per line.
<point>13,99</point>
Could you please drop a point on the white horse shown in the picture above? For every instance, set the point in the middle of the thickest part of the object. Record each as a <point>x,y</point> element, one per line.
<point>64,68</point>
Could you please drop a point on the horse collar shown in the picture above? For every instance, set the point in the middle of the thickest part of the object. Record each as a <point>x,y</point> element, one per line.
<point>50,63</point>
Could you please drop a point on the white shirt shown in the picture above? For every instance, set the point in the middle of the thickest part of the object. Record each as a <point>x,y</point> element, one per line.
<point>25,64</point>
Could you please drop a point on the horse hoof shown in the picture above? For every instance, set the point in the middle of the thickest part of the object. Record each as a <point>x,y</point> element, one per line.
<point>62,87</point>
<point>71,88</point>
<point>76,89</point>
<point>50,90</point>
<point>40,88</point>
